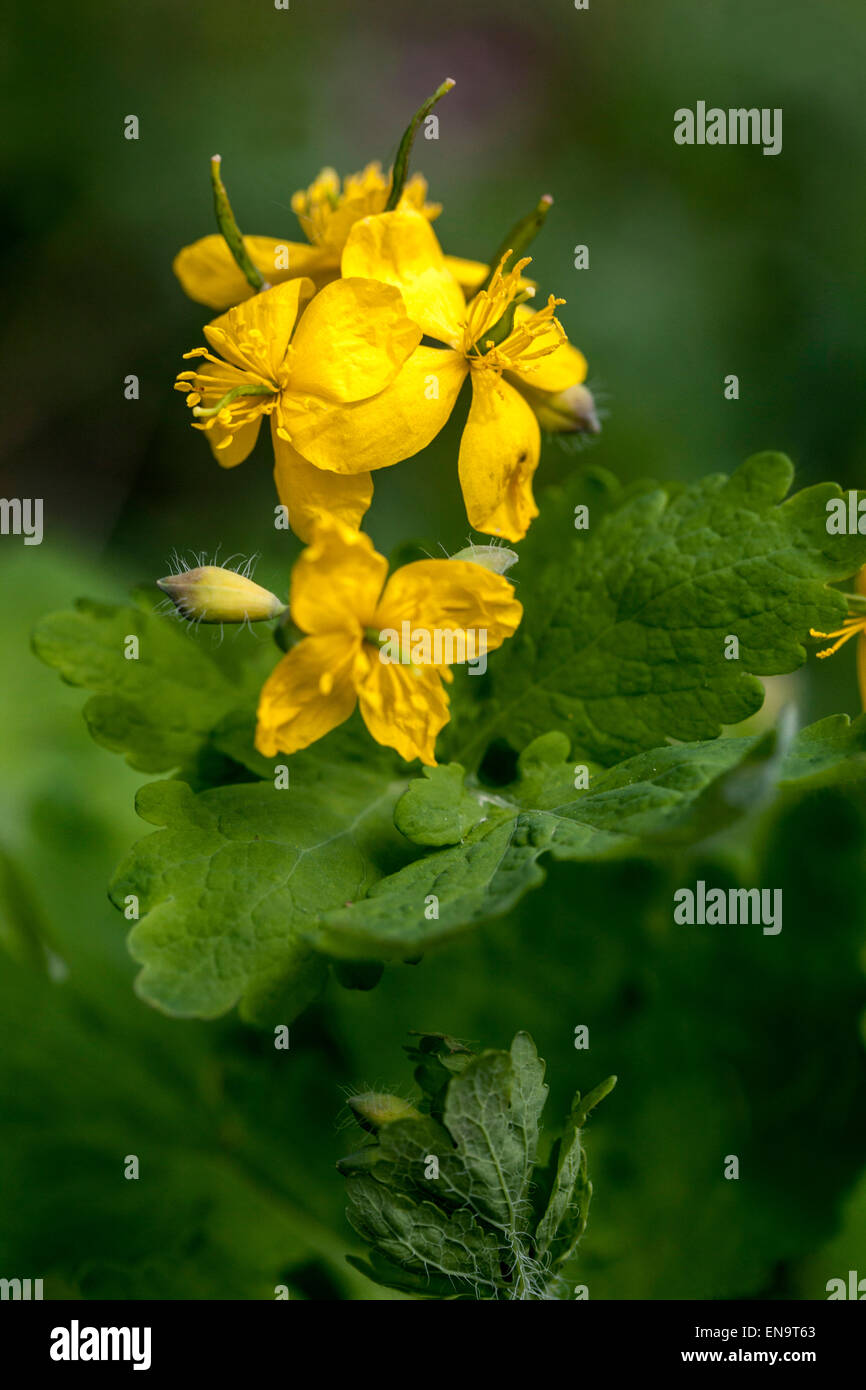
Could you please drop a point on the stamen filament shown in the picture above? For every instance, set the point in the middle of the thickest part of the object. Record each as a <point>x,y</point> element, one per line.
<point>843,634</point>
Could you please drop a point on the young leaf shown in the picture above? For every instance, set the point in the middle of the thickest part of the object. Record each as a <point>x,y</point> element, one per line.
<point>490,1146</point>
<point>564,1219</point>
<point>422,1237</point>
<point>450,1202</point>
<point>440,812</point>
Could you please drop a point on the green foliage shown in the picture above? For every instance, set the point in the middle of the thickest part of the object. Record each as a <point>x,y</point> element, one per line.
<point>234,1195</point>
<point>648,804</point>
<point>249,886</point>
<point>622,644</point>
<point>725,1040</point>
<point>452,1201</point>
<point>159,706</point>
<point>230,887</point>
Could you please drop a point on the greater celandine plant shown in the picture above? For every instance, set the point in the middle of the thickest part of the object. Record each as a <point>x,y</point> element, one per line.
<point>294,834</point>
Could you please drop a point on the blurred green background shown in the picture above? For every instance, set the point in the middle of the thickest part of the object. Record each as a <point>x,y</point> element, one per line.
<point>703,262</point>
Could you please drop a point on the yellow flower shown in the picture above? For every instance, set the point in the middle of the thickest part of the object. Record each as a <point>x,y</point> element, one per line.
<point>269,359</point>
<point>208,273</point>
<point>502,344</point>
<point>853,626</point>
<point>340,599</point>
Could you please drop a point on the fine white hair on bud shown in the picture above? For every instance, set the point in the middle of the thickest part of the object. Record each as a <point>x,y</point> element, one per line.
<point>570,411</point>
<point>213,594</point>
<point>493,556</point>
<point>373,1109</point>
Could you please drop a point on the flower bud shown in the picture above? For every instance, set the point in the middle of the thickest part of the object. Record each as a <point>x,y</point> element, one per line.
<point>213,595</point>
<point>360,1162</point>
<point>570,411</point>
<point>376,1108</point>
<point>497,558</point>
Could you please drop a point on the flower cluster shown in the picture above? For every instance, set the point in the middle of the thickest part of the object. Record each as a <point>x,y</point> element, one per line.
<point>355,345</point>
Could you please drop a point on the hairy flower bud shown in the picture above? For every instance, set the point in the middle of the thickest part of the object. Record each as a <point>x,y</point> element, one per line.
<point>497,558</point>
<point>376,1108</point>
<point>210,594</point>
<point>570,411</point>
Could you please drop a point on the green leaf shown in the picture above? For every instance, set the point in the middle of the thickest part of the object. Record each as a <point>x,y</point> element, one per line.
<point>420,1235</point>
<point>528,1097</point>
<point>389,1276</point>
<point>452,1200</point>
<point>564,1219</point>
<point>227,889</point>
<point>671,796</point>
<point>440,812</point>
<point>157,706</point>
<point>622,643</point>
<point>478,1117</point>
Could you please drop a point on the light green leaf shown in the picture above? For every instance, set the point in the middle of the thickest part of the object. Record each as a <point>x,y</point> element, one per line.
<point>441,812</point>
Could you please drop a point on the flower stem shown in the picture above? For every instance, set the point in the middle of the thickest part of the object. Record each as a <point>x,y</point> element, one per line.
<point>230,229</point>
<point>401,163</point>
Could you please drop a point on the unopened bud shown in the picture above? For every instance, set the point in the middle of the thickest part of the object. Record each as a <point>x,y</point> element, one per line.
<point>360,1162</point>
<point>213,595</point>
<point>374,1109</point>
<point>569,411</point>
<point>497,558</point>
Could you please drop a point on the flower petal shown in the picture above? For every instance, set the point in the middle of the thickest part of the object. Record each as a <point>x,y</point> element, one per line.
<point>254,335</point>
<point>451,596</point>
<point>470,275</point>
<point>337,580</point>
<point>307,694</point>
<point>401,249</point>
<point>394,425</point>
<point>351,341</point>
<point>231,447</point>
<point>499,453</point>
<point>209,274</point>
<point>404,707</point>
<point>310,493</point>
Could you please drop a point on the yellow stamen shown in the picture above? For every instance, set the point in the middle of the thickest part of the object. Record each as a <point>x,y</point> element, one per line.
<point>849,629</point>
